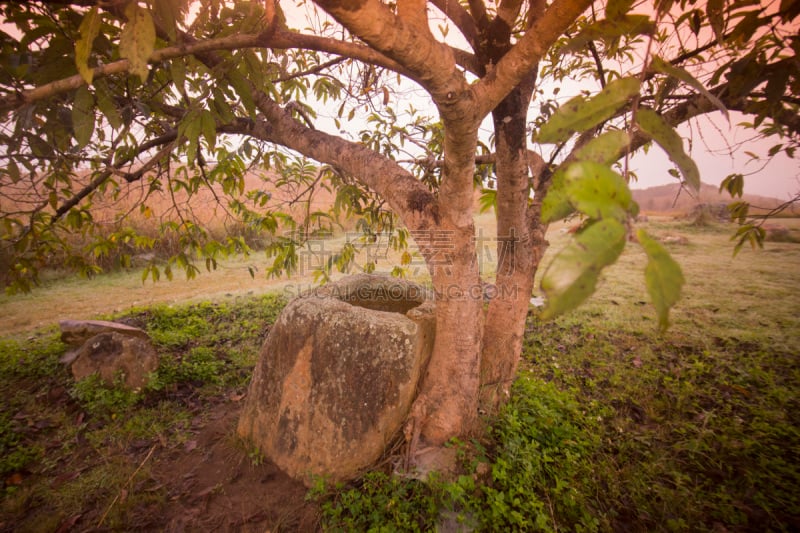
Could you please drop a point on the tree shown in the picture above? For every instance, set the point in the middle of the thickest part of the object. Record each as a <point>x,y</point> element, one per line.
<point>97,95</point>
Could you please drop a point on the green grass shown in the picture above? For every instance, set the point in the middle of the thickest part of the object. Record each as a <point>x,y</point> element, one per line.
<point>66,447</point>
<point>693,435</point>
<point>611,426</point>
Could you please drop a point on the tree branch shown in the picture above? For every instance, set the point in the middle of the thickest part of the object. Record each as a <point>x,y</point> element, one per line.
<point>408,197</point>
<point>785,117</point>
<point>601,73</point>
<point>435,162</point>
<point>276,39</point>
<point>478,10</point>
<point>427,61</point>
<point>79,3</point>
<point>365,54</point>
<point>526,53</point>
<point>770,213</point>
<point>461,18</point>
<point>507,12</point>
<point>313,70</point>
<point>98,180</point>
<point>10,102</point>
<point>411,200</point>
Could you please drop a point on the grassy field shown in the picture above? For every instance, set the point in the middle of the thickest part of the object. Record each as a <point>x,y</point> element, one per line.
<point>115,292</point>
<point>612,427</point>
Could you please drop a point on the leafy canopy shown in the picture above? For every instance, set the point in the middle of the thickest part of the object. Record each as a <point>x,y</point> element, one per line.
<point>159,108</point>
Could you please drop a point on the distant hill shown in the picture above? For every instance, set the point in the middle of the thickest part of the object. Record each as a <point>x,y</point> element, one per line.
<point>671,199</point>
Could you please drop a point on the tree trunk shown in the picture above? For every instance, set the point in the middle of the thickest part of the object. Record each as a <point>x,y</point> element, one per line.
<point>519,249</point>
<point>447,403</point>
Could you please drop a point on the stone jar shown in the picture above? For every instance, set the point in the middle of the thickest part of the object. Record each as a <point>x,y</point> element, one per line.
<point>337,376</point>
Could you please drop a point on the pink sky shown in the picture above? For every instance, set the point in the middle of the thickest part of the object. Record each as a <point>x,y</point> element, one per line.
<point>713,140</point>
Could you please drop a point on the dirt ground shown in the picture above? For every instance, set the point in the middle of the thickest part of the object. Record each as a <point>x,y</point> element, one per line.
<point>217,487</point>
<point>207,483</point>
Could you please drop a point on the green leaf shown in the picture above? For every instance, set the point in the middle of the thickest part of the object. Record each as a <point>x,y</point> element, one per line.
<point>738,211</point>
<point>597,191</point>
<point>696,21</point>
<point>774,150</point>
<point>745,29</point>
<point>221,106</point>
<point>168,12</point>
<point>751,233</point>
<point>106,104</point>
<point>253,69</point>
<point>604,149</point>
<point>657,128</point>
<point>664,67</point>
<point>556,204</point>
<point>663,6</point>
<point>89,29</point>
<point>13,171</point>
<point>83,116</point>
<point>777,84</point>
<point>610,29</point>
<point>789,10</point>
<point>244,90</point>
<point>734,184</point>
<point>137,39</point>
<point>616,9</point>
<point>209,128</point>
<point>488,200</point>
<point>572,276</point>
<point>177,71</point>
<point>663,278</point>
<point>190,127</point>
<point>714,11</point>
<point>579,114</point>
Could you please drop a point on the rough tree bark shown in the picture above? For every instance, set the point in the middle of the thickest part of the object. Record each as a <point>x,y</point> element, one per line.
<point>520,244</point>
<point>447,404</point>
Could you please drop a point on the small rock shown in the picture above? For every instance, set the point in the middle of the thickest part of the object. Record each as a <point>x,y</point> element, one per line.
<point>778,233</point>
<point>111,353</point>
<point>674,239</point>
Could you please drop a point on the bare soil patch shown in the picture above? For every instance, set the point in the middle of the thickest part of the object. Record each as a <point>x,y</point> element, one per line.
<point>204,481</point>
<point>217,486</point>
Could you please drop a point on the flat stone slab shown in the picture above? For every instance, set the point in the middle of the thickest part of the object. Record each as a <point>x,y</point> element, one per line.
<point>74,332</point>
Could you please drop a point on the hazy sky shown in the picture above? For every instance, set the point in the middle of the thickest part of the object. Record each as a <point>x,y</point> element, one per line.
<point>719,149</point>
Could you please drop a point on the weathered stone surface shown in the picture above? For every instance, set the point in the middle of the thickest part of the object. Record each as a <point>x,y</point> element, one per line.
<point>79,331</point>
<point>111,353</point>
<point>675,239</point>
<point>337,375</point>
